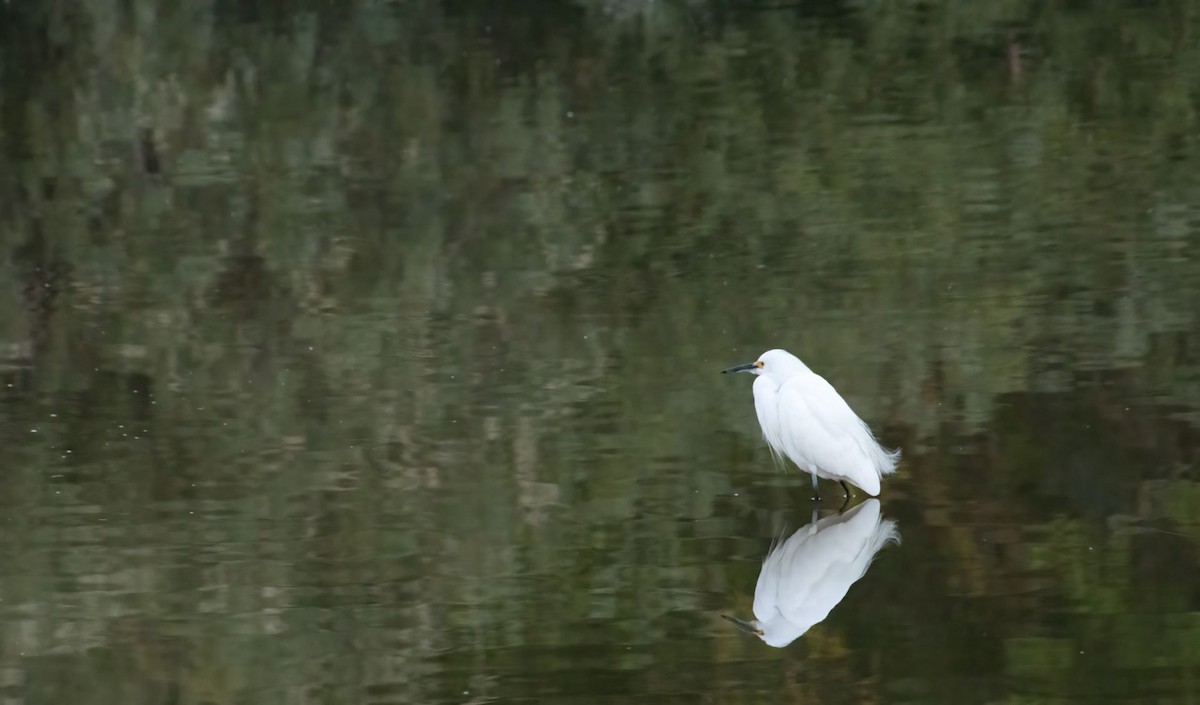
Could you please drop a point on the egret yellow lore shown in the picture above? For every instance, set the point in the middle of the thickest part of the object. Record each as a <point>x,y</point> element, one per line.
<point>805,577</point>
<point>804,419</point>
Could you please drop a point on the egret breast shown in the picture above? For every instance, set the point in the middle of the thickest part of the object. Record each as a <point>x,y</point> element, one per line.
<point>767,409</point>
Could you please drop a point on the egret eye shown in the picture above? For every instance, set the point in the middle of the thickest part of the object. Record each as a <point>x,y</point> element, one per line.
<point>759,364</point>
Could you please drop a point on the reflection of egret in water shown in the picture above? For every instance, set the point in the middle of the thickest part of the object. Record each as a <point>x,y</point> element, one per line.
<point>806,576</point>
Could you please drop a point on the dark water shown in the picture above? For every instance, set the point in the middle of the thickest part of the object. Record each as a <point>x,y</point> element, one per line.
<point>368,351</point>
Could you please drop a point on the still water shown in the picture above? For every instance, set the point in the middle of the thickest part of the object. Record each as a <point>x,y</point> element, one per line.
<point>369,351</point>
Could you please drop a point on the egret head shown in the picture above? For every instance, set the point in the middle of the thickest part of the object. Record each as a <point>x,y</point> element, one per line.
<point>777,363</point>
<point>778,632</point>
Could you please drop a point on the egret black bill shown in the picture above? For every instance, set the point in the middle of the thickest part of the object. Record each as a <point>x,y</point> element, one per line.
<point>744,626</point>
<point>740,368</point>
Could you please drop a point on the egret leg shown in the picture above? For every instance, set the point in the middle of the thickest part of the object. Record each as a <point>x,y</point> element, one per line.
<point>845,502</point>
<point>816,492</point>
<point>844,488</point>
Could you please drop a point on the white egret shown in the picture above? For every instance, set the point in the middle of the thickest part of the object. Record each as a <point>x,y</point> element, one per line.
<point>805,419</point>
<point>804,578</point>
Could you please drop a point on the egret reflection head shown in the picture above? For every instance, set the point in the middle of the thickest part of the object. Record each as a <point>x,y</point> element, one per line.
<point>751,627</point>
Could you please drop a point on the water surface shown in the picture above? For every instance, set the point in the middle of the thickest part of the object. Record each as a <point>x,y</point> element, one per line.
<point>369,353</point>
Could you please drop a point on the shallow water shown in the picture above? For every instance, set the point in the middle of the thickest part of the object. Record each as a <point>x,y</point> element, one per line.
<point>370,354</point>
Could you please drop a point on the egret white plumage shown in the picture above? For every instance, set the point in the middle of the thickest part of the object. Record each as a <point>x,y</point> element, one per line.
<point>804,418</point>
<point>805,577</point>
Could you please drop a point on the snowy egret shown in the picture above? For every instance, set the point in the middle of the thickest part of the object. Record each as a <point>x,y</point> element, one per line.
<point>810,573</point>
<point>804,418</point>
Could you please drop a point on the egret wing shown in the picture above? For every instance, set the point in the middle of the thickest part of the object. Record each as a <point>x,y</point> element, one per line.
<point>816,424</point>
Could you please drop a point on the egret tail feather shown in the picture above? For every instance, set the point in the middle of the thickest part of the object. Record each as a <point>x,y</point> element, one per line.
<point>883,460</point>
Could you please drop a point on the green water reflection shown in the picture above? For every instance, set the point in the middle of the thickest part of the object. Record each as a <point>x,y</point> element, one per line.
<point>368,351</point>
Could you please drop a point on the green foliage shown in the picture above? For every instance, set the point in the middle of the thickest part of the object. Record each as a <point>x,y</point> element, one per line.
<point>370,347</point>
